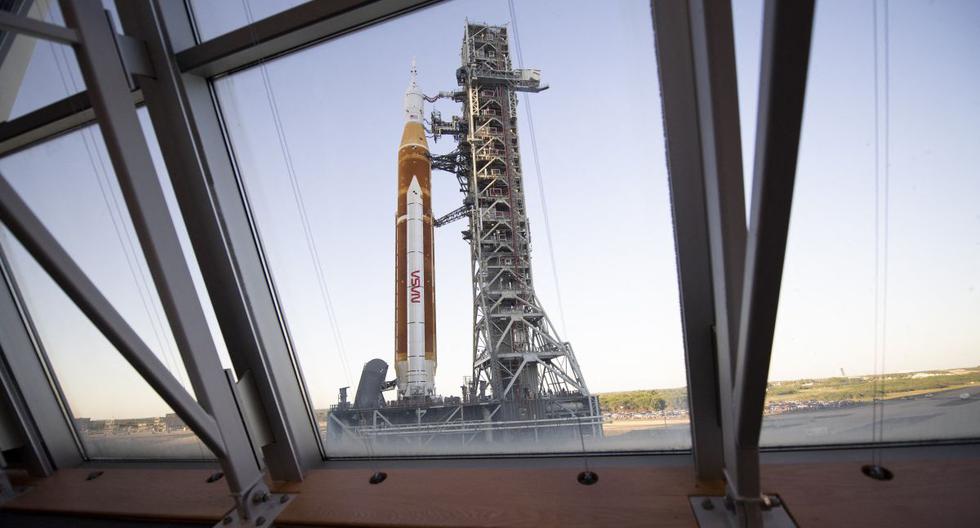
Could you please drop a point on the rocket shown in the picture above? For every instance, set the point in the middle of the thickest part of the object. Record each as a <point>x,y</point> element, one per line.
<point>415,305</point>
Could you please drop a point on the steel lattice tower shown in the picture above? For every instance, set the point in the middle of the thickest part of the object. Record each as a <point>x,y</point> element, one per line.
<point>516,350</point>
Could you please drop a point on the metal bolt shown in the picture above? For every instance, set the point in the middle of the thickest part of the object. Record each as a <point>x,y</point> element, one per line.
<point>260,497</point>
<point>226,520</point>
<point>707,504</point>
<point>284,499</point>
<point>260,521</point>
<point>774,501</point>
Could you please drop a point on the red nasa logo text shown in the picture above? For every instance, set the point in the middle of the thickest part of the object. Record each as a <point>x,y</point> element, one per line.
<point>416,288</point>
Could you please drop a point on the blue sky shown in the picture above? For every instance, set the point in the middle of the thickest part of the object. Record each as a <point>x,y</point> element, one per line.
<point>601,150</point>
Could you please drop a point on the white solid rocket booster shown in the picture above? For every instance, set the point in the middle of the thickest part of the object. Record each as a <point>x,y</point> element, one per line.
<point>417,375</point>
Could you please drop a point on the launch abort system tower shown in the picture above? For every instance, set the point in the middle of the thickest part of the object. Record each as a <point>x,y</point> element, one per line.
<point>516,349</point>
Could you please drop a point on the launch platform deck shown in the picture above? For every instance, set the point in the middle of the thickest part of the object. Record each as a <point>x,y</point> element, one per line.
<point>453,426</point>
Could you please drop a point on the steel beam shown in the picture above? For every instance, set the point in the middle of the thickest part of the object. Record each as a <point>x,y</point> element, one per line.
<point>721,150</point>
<point>300,26</point>
<point>230,257</point>
<point>685,175</point>
<point>782,86</point>
<point>713,52</point>
<point>141,188</point>
<point>41,244</point>
<point>50,121</point>
<point>15,54</point>
<point>31,27</point>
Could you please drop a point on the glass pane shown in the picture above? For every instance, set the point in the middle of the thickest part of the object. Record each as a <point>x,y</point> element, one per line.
<point>879,295</point>
<point>213,18</point>
<point>69,183</point>
<point>316,136</point>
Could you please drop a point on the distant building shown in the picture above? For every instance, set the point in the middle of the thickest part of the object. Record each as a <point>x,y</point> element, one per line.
<point>83,425</point>
<point>97,426</point>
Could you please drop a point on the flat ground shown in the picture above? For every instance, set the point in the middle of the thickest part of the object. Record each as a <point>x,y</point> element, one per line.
<point>618,427</point>
<point>935,416</point>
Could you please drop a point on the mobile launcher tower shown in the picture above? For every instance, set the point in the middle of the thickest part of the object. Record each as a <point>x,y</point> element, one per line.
<point>526,383</point>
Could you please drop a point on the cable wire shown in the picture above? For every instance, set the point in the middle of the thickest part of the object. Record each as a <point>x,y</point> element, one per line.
<point>96,159</point>
<point>547,223</point>
<point>882,149</point>
<point>305,222</point>
<point>301,208</point>
<point>538,173</point>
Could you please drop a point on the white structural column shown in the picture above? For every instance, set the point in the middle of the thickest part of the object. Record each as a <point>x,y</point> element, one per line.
<point>229,254</point>
<point>685,176</point>
<point>713,55</point>
<point>787,29</point>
